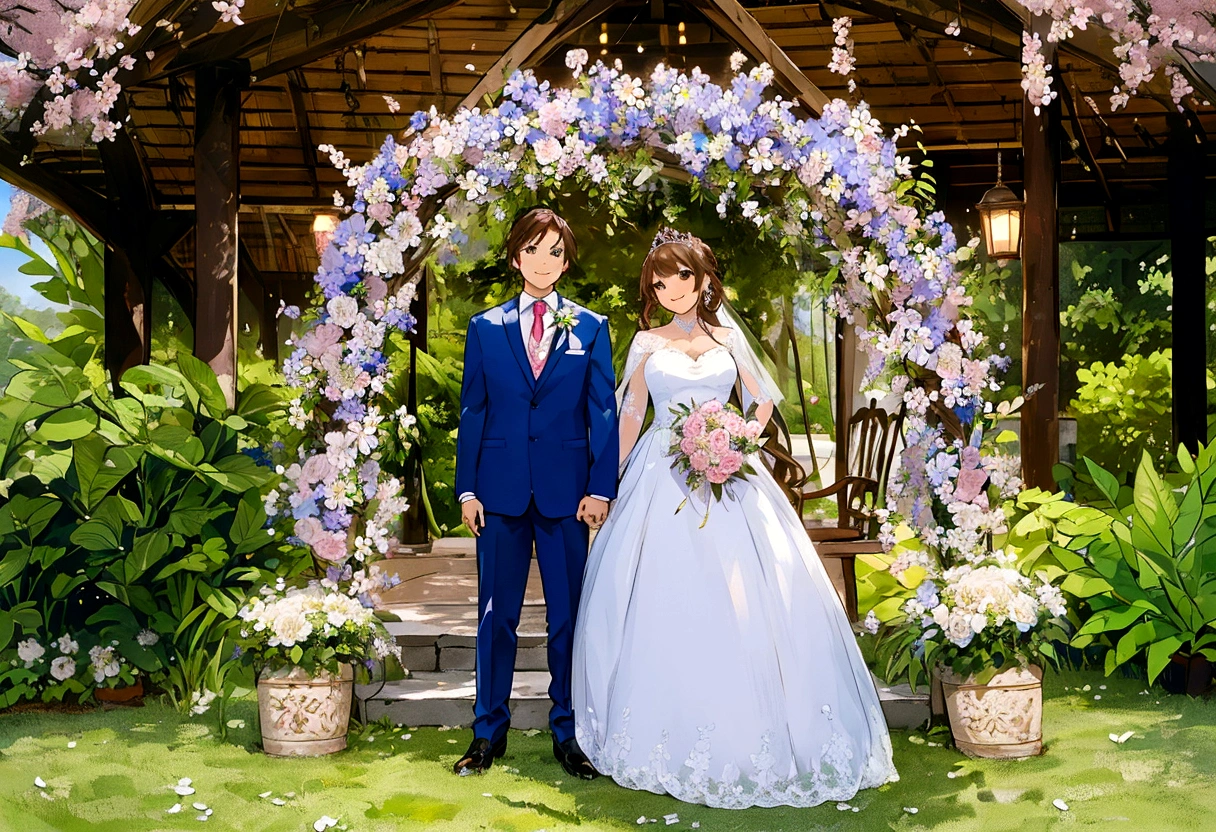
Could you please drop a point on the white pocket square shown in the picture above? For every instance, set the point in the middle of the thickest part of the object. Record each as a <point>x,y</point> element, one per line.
<point>576,352</point>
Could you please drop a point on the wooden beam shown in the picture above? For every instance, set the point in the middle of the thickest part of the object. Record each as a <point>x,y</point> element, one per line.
<point>217,195</point>
<point>85,206</point>
<point>538,41</point>
<point>436,65</point>
<point>299,112</point>
<point>738,24</point>
<point>1189,307</point>
<point>935,77</point>
<point>1112,210</point>
<point>891,11</point>
<point>1040,429</point>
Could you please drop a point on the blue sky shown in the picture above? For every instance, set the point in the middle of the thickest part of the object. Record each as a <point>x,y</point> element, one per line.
<point>10,260</point>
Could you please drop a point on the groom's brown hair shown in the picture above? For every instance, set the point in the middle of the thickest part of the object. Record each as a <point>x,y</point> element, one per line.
<point>535,224</point>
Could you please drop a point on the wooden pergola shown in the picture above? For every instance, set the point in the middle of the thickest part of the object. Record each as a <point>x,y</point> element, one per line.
<point>213,185</point>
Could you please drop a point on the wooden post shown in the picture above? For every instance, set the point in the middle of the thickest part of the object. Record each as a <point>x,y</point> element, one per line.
<point>217,193</point>
<point>1187,243</point>
<point>128,319</point>
<point>1040,428</point>
<point>415,528</point>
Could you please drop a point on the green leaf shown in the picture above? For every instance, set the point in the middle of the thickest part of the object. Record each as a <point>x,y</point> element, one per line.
<point>6,629</point>
<point>1106,482</point>
<point>100,467</point>
<point>204,380</point>
<point>13,565</point>
<point>146,550</point>
<point>176,444</point>
<point>247,532</point>
<point>1159,655</point>
<point>218,600</point>
<point>296,654</point>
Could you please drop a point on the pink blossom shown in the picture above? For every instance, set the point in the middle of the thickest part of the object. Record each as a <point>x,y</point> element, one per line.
<point>316,341</point>
<point>688,446</point>
<point>307,529</point>
<point>329,547</point>
<point>699,461</point>
<point>719,441</point>
<point>717,476</point>
<point>377,289</point>
<point>711,406</point>
<point>694,426</point>
<point>754,430</point>
<point>734,424</point>
<point>316,469</point>
<point>731,462</point>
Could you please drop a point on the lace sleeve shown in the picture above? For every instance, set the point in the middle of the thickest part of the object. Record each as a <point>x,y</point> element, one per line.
<point>633,395</point>
<point>755,391</point>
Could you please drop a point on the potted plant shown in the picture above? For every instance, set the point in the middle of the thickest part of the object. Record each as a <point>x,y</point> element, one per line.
<point>303,642</point>
<point>981,629</point>
<point>1147,569</point>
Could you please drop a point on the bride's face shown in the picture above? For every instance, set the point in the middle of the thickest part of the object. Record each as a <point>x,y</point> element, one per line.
<point>677,293</point>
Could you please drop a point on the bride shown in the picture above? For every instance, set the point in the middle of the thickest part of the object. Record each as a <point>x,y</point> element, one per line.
<point>713,664</point>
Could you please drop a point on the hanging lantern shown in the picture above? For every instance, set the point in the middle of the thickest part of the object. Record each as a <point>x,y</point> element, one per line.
<point>1001,216</point>
<point>323,227</point>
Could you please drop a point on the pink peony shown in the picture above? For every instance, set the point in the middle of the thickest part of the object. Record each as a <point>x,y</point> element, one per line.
<point>316,469</point>
<point>380,212</point>
<point>712,406</point>
<point>731,462</point>
<point>329,547</point>
<point>753,430</point>
<point>734,423</point>
<point>699,461</point>
<point>320,339</point>
<point>694,426</point>
<point>307,529</point>
<point>719,441</point>
<point>717,476</point>
<point>688,446</point>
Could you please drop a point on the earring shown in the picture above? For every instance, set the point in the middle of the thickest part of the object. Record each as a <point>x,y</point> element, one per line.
<point>707,296</point>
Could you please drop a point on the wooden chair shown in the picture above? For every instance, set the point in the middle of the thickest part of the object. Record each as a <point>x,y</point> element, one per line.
<point>863,463</point>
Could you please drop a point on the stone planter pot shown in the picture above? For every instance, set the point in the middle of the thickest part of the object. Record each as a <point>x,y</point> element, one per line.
<point>1002,719</point>
<point>304,716</point>
<point>123,694</point>
<point>1191,675</point>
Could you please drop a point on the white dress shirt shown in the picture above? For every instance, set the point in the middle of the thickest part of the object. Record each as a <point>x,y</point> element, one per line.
<point>546,343</point>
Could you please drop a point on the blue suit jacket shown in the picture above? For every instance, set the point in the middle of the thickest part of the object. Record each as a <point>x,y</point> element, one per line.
<point>554,438</point>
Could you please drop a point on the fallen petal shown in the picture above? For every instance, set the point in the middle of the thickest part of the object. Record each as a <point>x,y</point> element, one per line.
<point>278,801</point>
<point>201,817</point>
<point>1126,736</point>
<point>185,781</point>
<point>843,807</point>
<point>265,794</point>
<point>202,807</point>
<point>911,810</point>
<point>184,791</point>
<point>72,744</point>
<point>174,809</point>
<point>323,823</point>
<point>1060,804</point>
<point>39,782</point>
<point>641,820</point>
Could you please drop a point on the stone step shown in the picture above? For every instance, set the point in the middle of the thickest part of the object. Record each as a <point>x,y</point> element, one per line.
<point>430,698</point>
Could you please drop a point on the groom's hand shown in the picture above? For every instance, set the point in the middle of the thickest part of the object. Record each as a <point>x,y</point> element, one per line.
<point>593,512</point>
<point>473,515</point>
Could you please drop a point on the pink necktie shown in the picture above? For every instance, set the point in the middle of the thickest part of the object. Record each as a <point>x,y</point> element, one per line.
<point>538,320</point>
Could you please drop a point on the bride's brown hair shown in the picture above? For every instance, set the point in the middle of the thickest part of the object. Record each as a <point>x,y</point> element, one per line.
<point>667,259</point>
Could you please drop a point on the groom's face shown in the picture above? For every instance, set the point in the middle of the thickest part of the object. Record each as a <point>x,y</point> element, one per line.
<point>542,262</point>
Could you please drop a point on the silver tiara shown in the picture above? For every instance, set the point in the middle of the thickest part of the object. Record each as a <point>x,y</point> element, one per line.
<point>670,235</point>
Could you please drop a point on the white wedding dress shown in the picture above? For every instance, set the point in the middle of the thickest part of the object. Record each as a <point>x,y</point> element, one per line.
<point>716,664</point>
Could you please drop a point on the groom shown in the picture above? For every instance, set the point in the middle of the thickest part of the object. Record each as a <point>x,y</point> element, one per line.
<point>536,464</point>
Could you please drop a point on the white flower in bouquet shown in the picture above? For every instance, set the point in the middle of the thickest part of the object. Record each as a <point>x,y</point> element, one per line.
<point>66,645</point>
<point>30,651</point>
<point>290,628</point>
<point>63,668</point>
<point>104,662</point>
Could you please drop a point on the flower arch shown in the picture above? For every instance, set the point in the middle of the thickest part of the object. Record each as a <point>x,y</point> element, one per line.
<point>835,187</point>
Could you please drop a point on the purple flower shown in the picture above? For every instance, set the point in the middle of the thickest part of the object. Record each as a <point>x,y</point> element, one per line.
<point>418,120</point>
<point>350,410</point>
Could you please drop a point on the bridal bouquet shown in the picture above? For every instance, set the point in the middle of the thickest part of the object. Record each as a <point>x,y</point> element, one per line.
<point>710,443</point>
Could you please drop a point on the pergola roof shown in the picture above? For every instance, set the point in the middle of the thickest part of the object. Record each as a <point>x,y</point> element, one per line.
<point>320,71</point>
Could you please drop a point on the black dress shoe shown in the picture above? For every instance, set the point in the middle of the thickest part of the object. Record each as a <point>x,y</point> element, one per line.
<point>573,760</point>
<point>480,756</point>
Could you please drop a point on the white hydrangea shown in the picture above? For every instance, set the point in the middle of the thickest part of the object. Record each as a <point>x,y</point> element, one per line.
<point>30,651</point>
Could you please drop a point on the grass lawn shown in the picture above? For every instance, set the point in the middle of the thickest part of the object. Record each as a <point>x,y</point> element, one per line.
<point>120,772</point>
